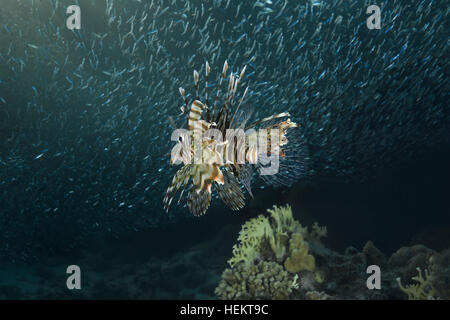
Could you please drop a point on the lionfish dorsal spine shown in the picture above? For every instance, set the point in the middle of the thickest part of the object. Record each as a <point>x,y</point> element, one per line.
<point>228,164</point>
<point>219,88</point>
<point>195,123</point>
<point>239,105</point>
<point>207,70</point>
<point>186,102</point>
<point>196,84</point>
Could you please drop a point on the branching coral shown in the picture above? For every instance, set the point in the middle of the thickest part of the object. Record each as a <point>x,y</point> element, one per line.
<point>278,243</point>
<point>282,220</point>
<point>250,240</point>
<point>261,238</point>
<point>423,289</point>
<point>263,280</point>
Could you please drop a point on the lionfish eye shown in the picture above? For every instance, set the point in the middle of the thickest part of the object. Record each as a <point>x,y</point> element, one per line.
<point>180,139</point>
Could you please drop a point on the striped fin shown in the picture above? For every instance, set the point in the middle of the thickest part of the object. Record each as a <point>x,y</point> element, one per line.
<point>236,83</point>
<point>230,192</point>
<point>245,177</point>
<point>219,89</point>
<point>224,115</point>
<point>207,70</point>
<point>276,116</point>
<point>239,105</point>
<point>186,102</point>
<point>195,121</point>
<point>293,161</point>
<point>198,201</point>
<point>180,178</point>
<point>196,76</point>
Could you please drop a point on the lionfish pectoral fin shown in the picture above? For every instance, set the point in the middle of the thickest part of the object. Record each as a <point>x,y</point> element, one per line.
<point>230,192</point>
<point>198,201</point>
<point>245,176</point>
<point>293,160</point>
<point>180,178</point>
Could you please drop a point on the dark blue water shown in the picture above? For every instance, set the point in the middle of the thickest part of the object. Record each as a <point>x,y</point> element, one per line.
<point>85,125</point>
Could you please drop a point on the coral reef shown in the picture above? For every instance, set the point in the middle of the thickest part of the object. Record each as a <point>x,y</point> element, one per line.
<point>306,269</point>
<point>407,259</point>
<point>279,243</point>
<point>441,273</point>
<point>271,238</point>
<point>423,289</point>
<point>262,280</point>
<point>431,283</point>
<point>259,269</point>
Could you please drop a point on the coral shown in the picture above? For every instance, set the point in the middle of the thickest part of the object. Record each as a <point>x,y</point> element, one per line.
<point>262,280</point>
<point>373,255</point>
<point>406,260</point>
<point>299,258</point>
<point>282,224</point>
<point>250,239</point>
<point>441,273</point>
<point>261,238</point>
<point>278,242</point>
<point>282,220</point>
<point>423,289</point>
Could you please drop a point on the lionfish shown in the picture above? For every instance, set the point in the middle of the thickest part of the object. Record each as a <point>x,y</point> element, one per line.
<point>225,175</point>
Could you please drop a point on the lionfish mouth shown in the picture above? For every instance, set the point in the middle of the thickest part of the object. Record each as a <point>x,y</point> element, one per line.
<point>218,149</point>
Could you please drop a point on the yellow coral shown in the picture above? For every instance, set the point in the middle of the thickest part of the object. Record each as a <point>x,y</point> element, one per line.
<point>269,254</point>
<point>422,290</point>
<point>282,222</point>
<point>282,218</point>
<point>255,230</point>
<point>299,258</point>
<point>250,238</point>
<point>277,239</point>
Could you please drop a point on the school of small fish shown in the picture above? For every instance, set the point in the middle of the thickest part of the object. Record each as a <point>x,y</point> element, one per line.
<point>85,115</point>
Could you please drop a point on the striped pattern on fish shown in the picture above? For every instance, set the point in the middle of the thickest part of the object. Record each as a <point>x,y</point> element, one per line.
<point>226,164</point>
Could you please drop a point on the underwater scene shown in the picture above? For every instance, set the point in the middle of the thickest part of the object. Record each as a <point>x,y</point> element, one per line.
<point>224,149</point>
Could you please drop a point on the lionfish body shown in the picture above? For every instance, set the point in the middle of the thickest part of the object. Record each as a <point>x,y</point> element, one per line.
<point>214,170</point>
